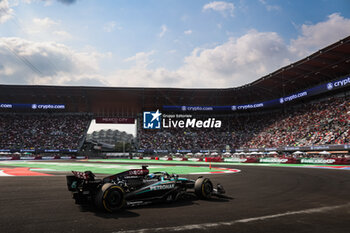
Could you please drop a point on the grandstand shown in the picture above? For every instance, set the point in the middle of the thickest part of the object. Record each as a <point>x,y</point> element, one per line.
<point>303,106</point>
<point>43,132</point>
<point>318,123</point>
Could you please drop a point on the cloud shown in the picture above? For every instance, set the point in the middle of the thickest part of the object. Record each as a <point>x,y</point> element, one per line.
<point>6,12</point>
<point>62,34</point>
<point>27,62</point>
<point>270,7</point>
<point>164,29</point>
<point>238,61</point>
<point>49,2</point>
<point>273,8</point>
<point>111,26</point>
<point>141,77</point>
<point>46,29</point>
<point>319,35</point>
<point>225,8</point>
<point>44,22</point>
<point>141,60</point>
<point>42,26</point>
<point>233,63</point>
<point>188,32</point>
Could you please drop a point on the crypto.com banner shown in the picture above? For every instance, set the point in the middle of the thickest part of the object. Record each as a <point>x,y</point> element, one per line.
<point>33,106</point>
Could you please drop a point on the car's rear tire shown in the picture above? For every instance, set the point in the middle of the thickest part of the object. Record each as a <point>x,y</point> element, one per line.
<point>203,188</point>
<point>110,198</point>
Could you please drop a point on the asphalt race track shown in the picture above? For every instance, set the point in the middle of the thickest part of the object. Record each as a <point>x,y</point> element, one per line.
<point>265,199</point>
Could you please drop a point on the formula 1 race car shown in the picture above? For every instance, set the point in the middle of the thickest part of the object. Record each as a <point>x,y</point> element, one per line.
<point>136,187</point>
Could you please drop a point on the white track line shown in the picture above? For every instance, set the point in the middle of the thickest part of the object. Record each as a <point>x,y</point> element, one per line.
<point>2,173</point>
<point>206,226</point>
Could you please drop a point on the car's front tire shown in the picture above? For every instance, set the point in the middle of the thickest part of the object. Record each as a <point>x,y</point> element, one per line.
<point>110,198</point>
<point>203,188</point>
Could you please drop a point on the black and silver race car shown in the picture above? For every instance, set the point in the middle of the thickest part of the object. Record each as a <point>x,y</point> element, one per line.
<point>136,187</point>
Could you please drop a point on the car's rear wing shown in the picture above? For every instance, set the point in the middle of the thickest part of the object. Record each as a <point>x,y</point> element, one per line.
<point>78,178</point>
<point>87,175</point>
<point>129,173</point>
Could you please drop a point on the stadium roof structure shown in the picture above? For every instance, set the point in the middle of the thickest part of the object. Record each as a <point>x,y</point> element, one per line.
<point>323,66</point>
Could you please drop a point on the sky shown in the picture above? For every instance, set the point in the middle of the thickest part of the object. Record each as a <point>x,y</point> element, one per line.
<point>161,43</point>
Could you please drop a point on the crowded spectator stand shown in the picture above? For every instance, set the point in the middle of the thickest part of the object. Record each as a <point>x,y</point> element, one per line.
<point>50,133</point>
<point>311,126</point>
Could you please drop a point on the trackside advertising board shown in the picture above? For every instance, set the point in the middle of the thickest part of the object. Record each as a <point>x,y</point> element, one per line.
<point>34,107</point>
<point>318,160</point>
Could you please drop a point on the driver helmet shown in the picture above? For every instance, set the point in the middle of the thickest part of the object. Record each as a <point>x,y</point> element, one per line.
<point>151,175</point>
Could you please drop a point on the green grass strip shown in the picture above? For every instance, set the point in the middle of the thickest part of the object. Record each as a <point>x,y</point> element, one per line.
<point>104,168</point>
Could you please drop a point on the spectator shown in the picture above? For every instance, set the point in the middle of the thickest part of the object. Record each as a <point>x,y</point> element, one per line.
<point>326,122</point>
<point>45,131</point>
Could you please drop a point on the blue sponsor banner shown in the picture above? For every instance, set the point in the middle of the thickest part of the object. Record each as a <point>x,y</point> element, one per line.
<point>68,150</point>
<point>183,151</point>
<point>4,105</point>
<point>5,150</point>
<point>40,150</point>
<point>27,150</point>
<point>204,151</point>
<point>161,151</point>
<point>213,108</point>
<point>196,108</point>
<point>33,106</point>
<point>333,85</point>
